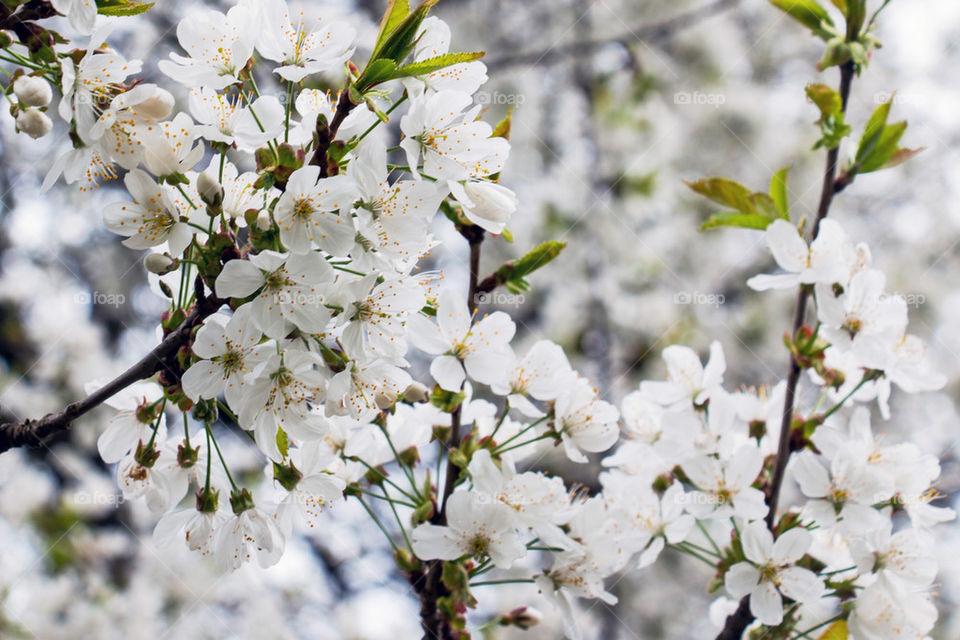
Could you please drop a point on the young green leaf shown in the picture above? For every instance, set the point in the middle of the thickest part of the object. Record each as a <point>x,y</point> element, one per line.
<point>436,63</point>
<point>778,192</point>
<point>122,7</point>
<point>808,13</point>
<point>398,43</point>
<point>512,274</point>
<point>736,219</point>
<point>833,128</point>
<point>836,631</point>
<point>396,11</point>
<point>726,192</point>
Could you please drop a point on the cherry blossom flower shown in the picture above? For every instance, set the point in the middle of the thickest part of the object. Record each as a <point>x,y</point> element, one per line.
<point>304,48</point>
<point>218,47</point>
<point>309,212</point>
<point>770,572</point>
<point>292,290</point>
<point>585,422</point>
<point>687,379</point>
<point>481,351</point>
<point>151,219</point>
<point>475,527</point>
<point>824,261</point>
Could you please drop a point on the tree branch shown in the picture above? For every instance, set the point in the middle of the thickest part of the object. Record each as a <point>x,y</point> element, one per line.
<point>326,133</point>
<point>32,433</point>
<point>429,585</point>
<point>739,620</point>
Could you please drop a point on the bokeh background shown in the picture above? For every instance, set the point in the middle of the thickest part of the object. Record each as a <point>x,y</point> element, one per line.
<point>615,104</point>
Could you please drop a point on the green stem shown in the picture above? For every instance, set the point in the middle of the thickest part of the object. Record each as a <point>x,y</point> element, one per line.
<point>216,445</point>
<point>500,451</point>
<point>386,498</point>
<point>507,581</point>
<point>379,524</point>
<point>853,391</point>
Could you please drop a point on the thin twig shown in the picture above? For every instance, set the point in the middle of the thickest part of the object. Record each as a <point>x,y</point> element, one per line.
<point>32,433</point>
<point>742,617</point>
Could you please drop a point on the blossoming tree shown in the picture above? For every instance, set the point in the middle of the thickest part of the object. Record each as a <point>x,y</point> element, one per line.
<point>286,230</point>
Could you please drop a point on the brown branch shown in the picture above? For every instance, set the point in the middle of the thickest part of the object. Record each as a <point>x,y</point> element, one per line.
<point>33,433</point>
<point>327,132</point>
<point>429,585</point>
<point>739,620</point>
<point>648,33</point>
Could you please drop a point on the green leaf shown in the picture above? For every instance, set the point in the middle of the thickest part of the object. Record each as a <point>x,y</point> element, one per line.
<point>808,13</point>
<point>736,219</point>
<point>122,7</point>
<point>502,130</point>
<point>836,631</point>
<point>376,72</point>
<point>778,192</point>
<point>751,210</point>
<point>513,274</point>
<point>397,44</point>
<point>833,128</point>
<point>436,63</point>
<point>884,148</point>
<point>726,192</point>
<point>538,257</point>
<point>283,442</point>
<point>873,131</point>
<point>826,99</point>
<point>396,11</point>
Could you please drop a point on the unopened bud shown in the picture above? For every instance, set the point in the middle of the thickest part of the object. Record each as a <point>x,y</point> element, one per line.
<point>263,221</point>
<point>522,617</point>
<point>210,191</point>
<point>7,38</point>
<point>158,263</point>
<point>416,392</point>
<point>32,91</point>
<point>34,123</point>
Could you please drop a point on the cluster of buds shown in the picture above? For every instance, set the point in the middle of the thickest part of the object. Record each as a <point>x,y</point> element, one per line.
<point>33,95</point>
<point>807,349</point>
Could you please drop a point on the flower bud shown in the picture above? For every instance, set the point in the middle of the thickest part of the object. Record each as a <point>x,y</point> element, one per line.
<point>263,221</point>
<point>158,263</point>
<point>34,123</point>
<point>416,392</point>
<point>210,191</point>
<point>522,617</point>
<point>32,91</point>
<point>486,204</point>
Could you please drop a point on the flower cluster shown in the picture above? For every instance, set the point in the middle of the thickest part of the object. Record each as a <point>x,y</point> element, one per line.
<point>286,230</point>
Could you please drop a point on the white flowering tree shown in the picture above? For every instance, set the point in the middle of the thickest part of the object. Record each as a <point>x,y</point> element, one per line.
<point>286,228</point>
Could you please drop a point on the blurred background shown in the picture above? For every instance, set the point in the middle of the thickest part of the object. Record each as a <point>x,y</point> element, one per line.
<point>615,104</point>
